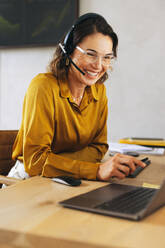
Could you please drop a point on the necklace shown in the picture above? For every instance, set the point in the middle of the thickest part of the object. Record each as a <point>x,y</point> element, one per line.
<point>77,98</point>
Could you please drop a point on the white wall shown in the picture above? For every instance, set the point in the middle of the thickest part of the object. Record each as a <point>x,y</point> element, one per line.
<point>136,89</point>
<point>17,67</point>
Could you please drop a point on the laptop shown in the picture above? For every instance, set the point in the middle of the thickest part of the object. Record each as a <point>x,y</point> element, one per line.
<point>118,200</point>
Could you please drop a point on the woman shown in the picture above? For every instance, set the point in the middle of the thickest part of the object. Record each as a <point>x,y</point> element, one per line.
<point>63,130</point>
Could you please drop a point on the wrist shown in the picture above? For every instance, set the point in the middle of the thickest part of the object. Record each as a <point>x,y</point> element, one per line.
<point>98,176</point>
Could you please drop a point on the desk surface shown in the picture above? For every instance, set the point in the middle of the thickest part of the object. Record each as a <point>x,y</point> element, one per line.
<point>30,216</point>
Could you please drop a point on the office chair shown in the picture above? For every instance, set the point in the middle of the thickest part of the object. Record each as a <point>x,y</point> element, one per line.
<point>7,138</point>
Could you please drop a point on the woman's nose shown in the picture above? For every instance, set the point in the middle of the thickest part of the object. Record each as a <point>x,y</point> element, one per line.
<point>98,62</point>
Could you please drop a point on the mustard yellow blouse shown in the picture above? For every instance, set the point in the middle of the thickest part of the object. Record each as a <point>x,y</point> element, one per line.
<point>58,137</point>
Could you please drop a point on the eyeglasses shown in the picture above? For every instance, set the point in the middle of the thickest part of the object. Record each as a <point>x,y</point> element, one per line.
<point>92,56</point>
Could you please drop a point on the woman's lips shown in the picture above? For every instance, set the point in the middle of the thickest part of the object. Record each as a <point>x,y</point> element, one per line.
<point>93,74</point>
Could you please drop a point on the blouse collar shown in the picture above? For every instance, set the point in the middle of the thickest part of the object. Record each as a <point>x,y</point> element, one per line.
<point>65,91</point>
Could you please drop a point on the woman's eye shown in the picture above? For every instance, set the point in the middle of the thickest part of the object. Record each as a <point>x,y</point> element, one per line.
<point>91,54</point>
<point>107,58</point>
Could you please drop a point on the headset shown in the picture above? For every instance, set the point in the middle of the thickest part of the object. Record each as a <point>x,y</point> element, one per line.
<point>67,46</point>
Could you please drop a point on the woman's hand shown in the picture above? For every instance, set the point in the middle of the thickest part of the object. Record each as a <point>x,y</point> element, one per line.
<point>118,166</point>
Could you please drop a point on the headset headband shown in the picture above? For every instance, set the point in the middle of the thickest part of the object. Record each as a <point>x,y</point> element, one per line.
<point>68,40</point>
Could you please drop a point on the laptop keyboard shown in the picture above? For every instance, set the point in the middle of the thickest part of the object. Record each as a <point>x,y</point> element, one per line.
<point>130,203</point>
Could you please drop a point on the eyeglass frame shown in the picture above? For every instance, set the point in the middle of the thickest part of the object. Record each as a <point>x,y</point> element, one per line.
<point>98,56</point>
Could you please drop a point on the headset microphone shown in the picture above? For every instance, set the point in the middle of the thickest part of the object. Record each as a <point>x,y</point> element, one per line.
<point>71,61</point>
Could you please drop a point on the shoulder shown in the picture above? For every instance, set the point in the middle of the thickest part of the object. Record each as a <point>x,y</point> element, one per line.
<point>44,85</point>
<point>101,95</point>
<point>43,81</point>
<point>100,89</point>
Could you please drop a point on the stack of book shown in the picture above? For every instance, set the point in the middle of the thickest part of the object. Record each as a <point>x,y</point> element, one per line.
<point>149,142</point>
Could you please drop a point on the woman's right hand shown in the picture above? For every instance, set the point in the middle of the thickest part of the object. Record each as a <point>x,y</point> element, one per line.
<point>119,166</point>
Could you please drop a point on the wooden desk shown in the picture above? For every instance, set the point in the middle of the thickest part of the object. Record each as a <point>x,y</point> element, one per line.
<point>30,216</point>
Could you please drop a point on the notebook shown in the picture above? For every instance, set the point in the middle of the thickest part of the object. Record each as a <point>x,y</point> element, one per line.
<point>118,200</point>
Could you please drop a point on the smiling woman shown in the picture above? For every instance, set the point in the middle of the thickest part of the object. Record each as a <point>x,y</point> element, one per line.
<point>64,123</point>
<point>93,62</point>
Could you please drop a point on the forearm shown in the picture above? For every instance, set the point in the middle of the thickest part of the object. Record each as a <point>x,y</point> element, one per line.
<point>91,153</point>
<point>49,164</point>
<point>57,165</point>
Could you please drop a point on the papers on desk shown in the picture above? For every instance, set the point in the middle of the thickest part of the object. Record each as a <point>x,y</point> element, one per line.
<point>126,148</point>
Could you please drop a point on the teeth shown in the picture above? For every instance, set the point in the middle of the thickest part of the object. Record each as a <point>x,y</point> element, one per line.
<point>92,73</point>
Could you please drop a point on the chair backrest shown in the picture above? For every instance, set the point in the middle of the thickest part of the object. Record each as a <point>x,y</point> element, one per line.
<point>7,138</point>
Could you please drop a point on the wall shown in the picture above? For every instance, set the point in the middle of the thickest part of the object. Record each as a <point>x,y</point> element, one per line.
<point>136,87</point>
<point>17,67</point>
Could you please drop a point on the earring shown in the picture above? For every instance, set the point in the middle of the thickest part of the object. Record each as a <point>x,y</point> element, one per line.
<point>67,62</point>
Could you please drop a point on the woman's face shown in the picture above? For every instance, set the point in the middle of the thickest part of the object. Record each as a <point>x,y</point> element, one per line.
<point>93,66</point>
